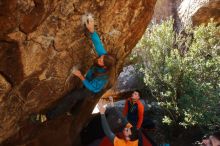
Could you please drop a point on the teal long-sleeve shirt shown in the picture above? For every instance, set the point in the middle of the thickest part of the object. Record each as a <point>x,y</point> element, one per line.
<point>99,48</point>
<point>96,84</point>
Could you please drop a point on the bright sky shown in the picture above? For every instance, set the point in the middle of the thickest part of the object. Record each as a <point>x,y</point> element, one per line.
<point>96,110</point>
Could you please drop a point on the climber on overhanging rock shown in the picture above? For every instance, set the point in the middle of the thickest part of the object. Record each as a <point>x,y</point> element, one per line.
<point>97,76</point>
<point>95,79</point>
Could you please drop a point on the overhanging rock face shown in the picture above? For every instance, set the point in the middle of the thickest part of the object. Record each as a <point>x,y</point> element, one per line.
<point>195,12</point>
<point>40,40</point>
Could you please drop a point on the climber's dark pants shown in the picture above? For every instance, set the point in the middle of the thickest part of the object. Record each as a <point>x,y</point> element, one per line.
<point>68,101</point>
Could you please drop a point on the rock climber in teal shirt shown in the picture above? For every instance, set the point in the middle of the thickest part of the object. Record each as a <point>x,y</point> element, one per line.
<point>94,81</point>
<point>97,83</point>
<point>97,76</point>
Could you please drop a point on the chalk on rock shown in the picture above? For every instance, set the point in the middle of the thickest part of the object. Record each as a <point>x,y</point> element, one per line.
<point>73,69</point>
<point>86,18</point>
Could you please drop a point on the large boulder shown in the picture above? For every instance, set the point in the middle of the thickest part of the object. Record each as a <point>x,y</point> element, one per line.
<point>164,9</point>
<point>40,40</point>
<point>187,12</point>
<point>196,12</point>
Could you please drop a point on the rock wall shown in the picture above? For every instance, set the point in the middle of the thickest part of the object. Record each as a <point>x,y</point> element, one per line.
<point>187,12</point>
<point>196,12</point>
<point>51,133</point>
<point>40,40</point>
<point>165,9</point>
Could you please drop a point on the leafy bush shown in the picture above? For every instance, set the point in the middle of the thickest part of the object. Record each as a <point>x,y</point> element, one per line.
<point>182,71</point>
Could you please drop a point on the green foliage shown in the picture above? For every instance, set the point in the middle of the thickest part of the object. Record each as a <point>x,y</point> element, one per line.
<point>183,72</point>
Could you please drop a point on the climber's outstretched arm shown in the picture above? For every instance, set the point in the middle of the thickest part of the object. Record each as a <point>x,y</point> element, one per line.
<point>105,125</point>
<point>100,50</point>
<point>106,128</point>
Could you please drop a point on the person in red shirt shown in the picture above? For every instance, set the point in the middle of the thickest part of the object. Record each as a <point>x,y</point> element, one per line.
<point>134,111</point>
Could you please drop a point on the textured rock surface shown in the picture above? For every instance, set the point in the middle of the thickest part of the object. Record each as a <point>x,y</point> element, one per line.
<point>40,40</point>
<point>196,12</point>
<point>165,8</point>
<point>189,11</point>
<point>52,133</point>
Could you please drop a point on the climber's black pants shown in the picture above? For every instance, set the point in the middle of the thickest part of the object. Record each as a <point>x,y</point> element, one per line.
<point>68,101</point>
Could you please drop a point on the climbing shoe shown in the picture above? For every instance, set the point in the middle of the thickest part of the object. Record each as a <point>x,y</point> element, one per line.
<point>68,113</point>
<point>38,118</point>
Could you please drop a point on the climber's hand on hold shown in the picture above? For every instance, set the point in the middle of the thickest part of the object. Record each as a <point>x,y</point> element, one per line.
<point>101,107</point>
<point>111,101</point>
<point>79,74</point>
<point>90,24</point>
